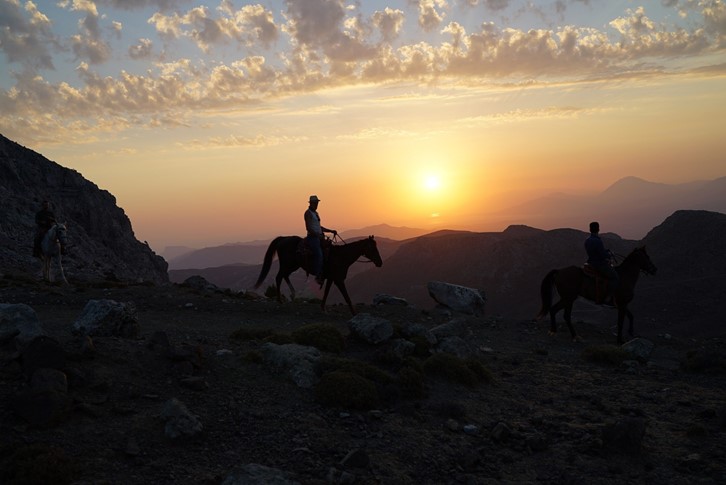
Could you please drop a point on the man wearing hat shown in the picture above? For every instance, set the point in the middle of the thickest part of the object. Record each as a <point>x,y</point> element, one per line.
<point>315,237</point>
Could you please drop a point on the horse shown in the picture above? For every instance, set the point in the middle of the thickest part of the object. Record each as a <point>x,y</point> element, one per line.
<point>50,247</point>
<point>341,257</point>
<point>572,282</point>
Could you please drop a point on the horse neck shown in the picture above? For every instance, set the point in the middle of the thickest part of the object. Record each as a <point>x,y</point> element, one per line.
<point>629,270</point>
<point>349,253</point>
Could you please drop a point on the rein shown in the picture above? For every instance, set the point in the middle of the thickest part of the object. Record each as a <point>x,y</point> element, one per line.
<point>336,236</point>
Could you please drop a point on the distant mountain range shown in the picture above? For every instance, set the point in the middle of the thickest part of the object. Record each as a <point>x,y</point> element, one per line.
<point>629,208</point>
<point>252,252</point>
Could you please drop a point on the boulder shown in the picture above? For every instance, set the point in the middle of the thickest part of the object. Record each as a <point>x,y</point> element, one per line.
<point>368,328</point>
<point>300,362</point>
<point>179,421</point>
<point>19,323</point>
<point>108,318</point>
<point>457,298</point>
<point>254,474</point>
<point>639,349</point>
<point>382,299</point>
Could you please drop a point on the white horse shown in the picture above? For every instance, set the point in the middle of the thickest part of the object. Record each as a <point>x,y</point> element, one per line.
<point>50,247</point>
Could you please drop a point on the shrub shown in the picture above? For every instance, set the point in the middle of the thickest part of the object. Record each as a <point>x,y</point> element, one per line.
<point>322,336</point>
<point>483,374</point>
<point>253,357</point>
<point>346,390</point>
<point>280,338</point>
<point>247,333</point>
<point>36,463</point>
<point>357,367</point>
<point>452,368</point>
<point>605,354</point>
<point>271,292</point>
<point>410,383</point>
<point>423,346</point>
<point>704,361</point>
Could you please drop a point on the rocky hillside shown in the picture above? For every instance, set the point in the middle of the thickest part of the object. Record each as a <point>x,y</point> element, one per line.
<point>101,240</point>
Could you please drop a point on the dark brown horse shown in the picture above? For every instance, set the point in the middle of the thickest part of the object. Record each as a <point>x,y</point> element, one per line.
<point>341,257</point>
<point>572,282</point>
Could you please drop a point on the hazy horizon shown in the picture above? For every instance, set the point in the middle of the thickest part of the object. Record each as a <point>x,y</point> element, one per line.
<point>213,122</point>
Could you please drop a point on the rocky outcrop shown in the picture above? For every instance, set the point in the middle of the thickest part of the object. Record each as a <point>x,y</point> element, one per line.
<point>101,244</point>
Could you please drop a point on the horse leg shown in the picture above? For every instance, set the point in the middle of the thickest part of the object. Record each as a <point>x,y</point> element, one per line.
<point>621,317</point>
<point>328,284</point>
<point>46,269</point>
<point>60,269</point>
<point>568,320</point>
<point>344,291</point>
<point>631,328</point>
<point>553,316</point>
<point>289,285</point>
<point>278,283</point>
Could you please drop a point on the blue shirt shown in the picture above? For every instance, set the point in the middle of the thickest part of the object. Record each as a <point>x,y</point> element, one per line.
<point>596,252</point>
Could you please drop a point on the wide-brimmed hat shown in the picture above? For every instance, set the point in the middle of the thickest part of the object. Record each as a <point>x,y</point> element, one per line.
<point>314,198</point>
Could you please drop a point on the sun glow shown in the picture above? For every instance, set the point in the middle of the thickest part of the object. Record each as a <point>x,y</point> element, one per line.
<point>432,182</point>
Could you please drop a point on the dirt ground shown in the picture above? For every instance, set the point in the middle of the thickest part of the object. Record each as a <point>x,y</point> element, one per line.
<point>549,414</point>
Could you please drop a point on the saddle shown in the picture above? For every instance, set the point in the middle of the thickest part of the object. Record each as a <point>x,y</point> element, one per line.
<point>306,255</point>
<point>601,282</point>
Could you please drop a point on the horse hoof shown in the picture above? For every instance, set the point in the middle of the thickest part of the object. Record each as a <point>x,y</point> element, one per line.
<point>577,339</point>
<point>551,333</point>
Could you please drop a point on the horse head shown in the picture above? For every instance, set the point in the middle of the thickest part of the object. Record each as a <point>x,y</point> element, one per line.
<point>643,261</point>
<point>370,251</point>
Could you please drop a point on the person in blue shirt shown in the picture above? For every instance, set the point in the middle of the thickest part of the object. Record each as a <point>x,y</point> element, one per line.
<point>315,237</point>
<point>599,258</point>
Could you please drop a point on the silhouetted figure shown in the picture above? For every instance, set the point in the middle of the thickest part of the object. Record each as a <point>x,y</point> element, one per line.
<point>44,220</point>
<point>315,237</point>
<point>600,258</point>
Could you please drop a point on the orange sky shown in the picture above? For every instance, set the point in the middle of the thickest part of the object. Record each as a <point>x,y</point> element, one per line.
<point>428,114</point>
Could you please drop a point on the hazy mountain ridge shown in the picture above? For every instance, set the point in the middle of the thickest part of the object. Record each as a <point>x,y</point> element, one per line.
<point>628,207</point>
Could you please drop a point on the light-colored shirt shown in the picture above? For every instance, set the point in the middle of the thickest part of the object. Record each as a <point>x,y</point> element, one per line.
<point>312,223</point>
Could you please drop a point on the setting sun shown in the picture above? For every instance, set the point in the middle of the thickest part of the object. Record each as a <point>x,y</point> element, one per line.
<point>432,182</point>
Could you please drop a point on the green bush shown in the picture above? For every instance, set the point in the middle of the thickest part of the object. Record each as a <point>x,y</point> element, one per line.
<point>452,368</point>
<point>605,354</point>
<point>704,361</point>
<point>271,292</point>
<point>253,357</point>
<point>280,338</point>
<point>410,383</point>
<point>36,463</point>
<point>423,346</point>
<point>251,333</point>
<point>346,390</point>
<point>322,336</point>
<point>358,367</point>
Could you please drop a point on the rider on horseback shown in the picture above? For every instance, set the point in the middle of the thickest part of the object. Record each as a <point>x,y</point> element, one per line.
<point>315,237</point>
<point>44,220</point>
<point>599,258</point>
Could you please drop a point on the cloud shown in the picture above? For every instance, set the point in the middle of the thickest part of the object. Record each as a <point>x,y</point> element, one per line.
<point>319,25</point>
<point>26,38</point>
<point>430,15</point>
<point>250,25</point>
<point>389,22</point>
<point>326,45</point>
<point>141,50</point>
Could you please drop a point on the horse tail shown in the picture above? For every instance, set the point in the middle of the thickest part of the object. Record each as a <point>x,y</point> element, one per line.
<point>267,263</point>
<point>546,292</point>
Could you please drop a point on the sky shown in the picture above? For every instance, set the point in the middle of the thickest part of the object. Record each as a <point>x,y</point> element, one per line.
<point>212,122</point>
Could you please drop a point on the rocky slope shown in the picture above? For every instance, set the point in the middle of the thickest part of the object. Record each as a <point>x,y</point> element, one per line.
<point>102,242</point>
<point>193,398</point>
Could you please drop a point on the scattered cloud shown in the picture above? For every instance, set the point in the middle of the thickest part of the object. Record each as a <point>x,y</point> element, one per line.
<point>311,45</point>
